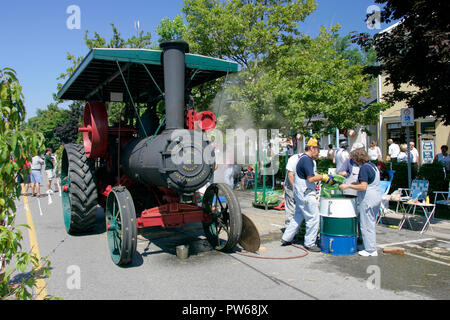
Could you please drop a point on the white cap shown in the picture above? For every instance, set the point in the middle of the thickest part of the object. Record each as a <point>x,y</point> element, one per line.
<point>357,145</point>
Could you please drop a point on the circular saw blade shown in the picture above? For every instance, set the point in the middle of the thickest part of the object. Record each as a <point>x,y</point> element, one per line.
<point>250,239</point>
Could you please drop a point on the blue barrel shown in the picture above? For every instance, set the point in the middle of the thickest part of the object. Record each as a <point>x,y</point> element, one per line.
<point>337,245</point>
<point>338,226</point>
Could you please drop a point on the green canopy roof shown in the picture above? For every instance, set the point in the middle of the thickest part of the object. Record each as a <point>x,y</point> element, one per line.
<point>99,74</point>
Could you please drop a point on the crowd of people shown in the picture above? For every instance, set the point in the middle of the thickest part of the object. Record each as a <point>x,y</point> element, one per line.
<point>399,153</point>
<point>362,181</point>
<point>30,176</point>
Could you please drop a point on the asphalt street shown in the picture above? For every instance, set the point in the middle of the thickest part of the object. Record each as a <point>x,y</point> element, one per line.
<point>81,267</point>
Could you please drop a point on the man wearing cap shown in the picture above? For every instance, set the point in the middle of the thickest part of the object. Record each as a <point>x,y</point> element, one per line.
<point>305,197</point>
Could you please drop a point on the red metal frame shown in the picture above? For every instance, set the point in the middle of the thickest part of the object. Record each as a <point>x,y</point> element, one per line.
<point>171,215</point>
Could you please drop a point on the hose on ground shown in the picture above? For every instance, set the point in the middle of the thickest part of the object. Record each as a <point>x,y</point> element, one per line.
<point>277,258</point>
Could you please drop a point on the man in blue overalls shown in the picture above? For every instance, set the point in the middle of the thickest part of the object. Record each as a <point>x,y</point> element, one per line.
<point>305,197</point>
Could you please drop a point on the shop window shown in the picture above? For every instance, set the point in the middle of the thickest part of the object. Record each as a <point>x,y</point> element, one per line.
<point>396,132</point>
<point>427,128</point>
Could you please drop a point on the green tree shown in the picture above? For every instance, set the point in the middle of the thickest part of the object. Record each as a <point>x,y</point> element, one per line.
<point>315,84</point>
<point>246,32</point>
<point>317,87</point>
<point>355,54</point>
<point>16,144</point>
<point>243,31</point>
<point>171,29</point>
<point>46,122</point>
<point>67,132</point>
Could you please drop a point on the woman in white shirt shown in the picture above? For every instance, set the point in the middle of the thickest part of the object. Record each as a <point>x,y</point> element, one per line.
<point>374,151</point>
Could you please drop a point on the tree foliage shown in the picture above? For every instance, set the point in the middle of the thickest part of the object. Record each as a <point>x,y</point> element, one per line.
<point>171,29</point>
<point>16,146</point>
<point>314,86</point>
<point>67,132</point>
<point>245,32</point>
<point>46,122</point>
<point>415,52</point>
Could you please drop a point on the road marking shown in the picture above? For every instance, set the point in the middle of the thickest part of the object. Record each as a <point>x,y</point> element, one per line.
<point>415,255</point>
<point>428,259</point>
<point>41,286</point>
<point>404,242</point>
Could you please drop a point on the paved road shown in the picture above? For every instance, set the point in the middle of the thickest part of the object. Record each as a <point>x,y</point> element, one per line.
<point>82,268</point>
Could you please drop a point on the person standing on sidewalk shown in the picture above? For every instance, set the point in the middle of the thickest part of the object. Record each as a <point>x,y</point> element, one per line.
<point>306,206</point>
<point>341,155</point>
<point>36,175</point>
<point>443,158</point>
<point>393,150</point>
<point>414,153</point>
<point>374,152</point>
<point>49,166</point>
<point>289,202</point>
<point>369,200</point>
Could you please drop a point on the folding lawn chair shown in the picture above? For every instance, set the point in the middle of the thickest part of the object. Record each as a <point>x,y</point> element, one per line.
<point>417,193</point>
<point>445,195</point>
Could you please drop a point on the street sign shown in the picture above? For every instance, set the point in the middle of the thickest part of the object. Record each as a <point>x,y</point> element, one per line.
<point>407,117</point>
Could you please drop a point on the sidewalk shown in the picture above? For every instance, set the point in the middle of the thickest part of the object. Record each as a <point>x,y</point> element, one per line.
<point>270,223</point>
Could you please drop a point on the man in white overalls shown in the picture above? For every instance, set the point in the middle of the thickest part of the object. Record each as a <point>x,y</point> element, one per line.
<point>369,200</point>
<point>305,197</point>
<point>289,201</point>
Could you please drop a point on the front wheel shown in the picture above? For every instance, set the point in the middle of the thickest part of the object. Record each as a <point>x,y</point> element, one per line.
<point>224,230</point>
<point>121,226</point>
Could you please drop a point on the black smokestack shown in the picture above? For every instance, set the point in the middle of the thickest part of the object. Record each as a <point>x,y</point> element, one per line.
<point>174,73</point>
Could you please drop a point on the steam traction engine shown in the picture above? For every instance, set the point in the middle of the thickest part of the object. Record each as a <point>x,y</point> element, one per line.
<point>131,167</point>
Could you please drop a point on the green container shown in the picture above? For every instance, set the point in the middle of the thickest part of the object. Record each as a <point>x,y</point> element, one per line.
<point>331,191</point>
<point>342,227</point>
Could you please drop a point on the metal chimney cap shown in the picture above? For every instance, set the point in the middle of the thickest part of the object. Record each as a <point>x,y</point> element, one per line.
<point>175,44</point>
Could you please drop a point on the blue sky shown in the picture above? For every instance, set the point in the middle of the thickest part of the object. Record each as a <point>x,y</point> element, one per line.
<point>35,39</point>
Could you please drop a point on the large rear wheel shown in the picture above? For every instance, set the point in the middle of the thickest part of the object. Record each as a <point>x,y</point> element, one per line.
<point>79,196</point>
<point>224,230</point>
